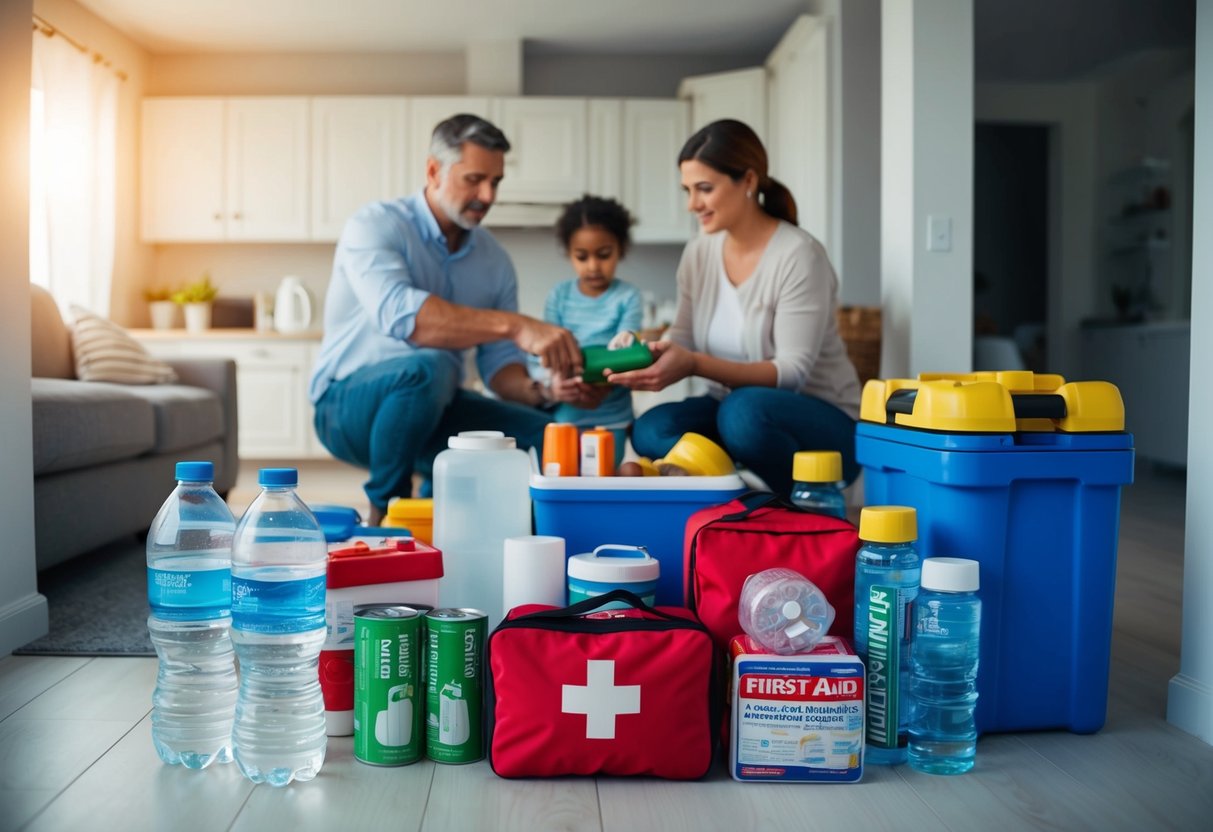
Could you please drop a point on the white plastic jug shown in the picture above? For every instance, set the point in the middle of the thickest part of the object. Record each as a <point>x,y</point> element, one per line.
<point>481,497</point>
<point>292,306</point>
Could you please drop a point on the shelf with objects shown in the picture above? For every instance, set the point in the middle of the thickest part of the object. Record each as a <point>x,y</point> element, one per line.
<point>1136,240</point>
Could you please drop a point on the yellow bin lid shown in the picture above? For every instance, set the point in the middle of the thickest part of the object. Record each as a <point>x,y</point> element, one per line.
<point>994,402</point>
<point>409,508</point>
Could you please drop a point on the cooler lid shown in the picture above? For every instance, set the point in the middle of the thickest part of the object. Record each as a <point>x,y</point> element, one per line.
<point>397,559</point>
<point>615,563</point>
<point>994,402</point>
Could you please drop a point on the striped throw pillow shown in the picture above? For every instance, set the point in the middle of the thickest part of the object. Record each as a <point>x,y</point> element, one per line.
<point>105,351</point>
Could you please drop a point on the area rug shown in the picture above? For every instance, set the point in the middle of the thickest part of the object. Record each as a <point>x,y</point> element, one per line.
<point>98,604</point>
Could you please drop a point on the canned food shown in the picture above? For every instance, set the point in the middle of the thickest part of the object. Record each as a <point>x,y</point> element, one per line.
<point>387,685</point>
<point>598,453</point>
<point>560,450</point>
<point>454,691</point>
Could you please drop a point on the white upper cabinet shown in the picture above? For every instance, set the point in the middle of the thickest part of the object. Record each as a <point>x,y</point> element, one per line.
<point>225,169</point>
<point>182,177</point>
<point>654,131</point>
<point>358,156</point>
<point>740,94</point>
<point>547,158</point>
<point>425,113</point>
<point>604,171</point>
<point>799,122</point>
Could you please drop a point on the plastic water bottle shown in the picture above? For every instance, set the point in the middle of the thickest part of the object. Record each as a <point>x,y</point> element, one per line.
<point>481,497</point>
<point>887,571</point>
<point>815,478</point>
<point>943,660</point>
<point>189,589</point>
<point>278,576</point>
<point>784,611</point>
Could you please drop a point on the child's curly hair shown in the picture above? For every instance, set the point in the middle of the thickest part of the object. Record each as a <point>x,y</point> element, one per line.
<point>595,210</point>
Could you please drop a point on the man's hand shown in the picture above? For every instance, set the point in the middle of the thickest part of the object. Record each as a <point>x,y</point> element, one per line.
<point>556,347</point>
<point>572,390</point>
<point>671,363</point>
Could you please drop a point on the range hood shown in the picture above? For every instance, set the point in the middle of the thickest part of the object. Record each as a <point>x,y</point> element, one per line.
<point>522,215</point>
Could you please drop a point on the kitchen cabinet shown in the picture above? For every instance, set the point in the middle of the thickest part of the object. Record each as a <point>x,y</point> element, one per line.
<point>232,169</point>
<point>604,171</point>
<point>654,130</point>
<point>272,372</point>
<point>798,109</point>
<point>1150,364</point>
<point>425,112</point>
<point>547,158</point>
<point>358,156</point>
<point>740,94</point>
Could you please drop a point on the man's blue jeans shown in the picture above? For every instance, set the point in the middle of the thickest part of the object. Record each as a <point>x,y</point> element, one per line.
<point>395,417</point>
<point>760,427</point>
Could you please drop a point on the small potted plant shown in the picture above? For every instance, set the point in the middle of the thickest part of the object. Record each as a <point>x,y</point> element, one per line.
<point>161,307</point>
<point>195,299</point>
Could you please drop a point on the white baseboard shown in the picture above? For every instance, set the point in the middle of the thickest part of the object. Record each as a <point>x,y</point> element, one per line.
<point>22,621</point>
<point>1190,707</point>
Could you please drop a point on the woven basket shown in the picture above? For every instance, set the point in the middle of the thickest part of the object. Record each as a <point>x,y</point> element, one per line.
<point>859,327</point>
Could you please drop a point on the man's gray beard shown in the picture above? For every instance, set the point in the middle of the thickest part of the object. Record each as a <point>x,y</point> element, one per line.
<point>454,214</point>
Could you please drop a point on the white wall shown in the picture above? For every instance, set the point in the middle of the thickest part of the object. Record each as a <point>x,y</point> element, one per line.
<point>23,615</point>
<point>927,169</point>
<point>1190,694</point>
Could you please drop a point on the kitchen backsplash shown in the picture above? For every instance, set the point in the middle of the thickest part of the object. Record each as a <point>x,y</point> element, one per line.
<point>242,270</point>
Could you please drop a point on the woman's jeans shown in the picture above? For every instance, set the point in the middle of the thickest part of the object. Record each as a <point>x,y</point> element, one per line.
<point>395,417</point>
<point>759,427</point>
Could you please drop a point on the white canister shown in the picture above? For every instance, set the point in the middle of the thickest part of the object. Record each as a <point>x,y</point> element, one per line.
<point>534,571</point>
<point>481,497</point>
<point>614,566</point>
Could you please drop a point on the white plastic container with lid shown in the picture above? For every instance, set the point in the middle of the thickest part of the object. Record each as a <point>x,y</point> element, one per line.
<point>481,497</point>
<point>613,566</point>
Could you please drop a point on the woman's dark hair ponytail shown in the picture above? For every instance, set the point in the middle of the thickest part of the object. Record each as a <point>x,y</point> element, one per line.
<point>777,200</point>
<point>732,148</point>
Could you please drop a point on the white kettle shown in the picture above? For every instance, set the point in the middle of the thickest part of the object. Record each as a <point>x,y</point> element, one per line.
<point>292,306</point>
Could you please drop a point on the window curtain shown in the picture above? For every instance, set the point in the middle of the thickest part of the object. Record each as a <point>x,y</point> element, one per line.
<point>73,137</point>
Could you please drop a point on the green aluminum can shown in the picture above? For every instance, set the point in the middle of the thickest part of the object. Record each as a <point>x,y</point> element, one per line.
<point>454,689</point>
<point>387,685</point>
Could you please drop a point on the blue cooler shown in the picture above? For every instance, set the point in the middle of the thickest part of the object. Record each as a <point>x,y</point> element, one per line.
<point>610,567</point>
<point>1022,473</point>
<point>642,511</point>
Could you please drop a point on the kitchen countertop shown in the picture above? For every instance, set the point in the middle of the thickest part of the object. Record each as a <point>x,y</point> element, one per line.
<point>226,334</point>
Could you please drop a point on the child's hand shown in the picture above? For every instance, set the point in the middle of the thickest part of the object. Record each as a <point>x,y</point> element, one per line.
<point>572,390</point>
<point>621,340</point>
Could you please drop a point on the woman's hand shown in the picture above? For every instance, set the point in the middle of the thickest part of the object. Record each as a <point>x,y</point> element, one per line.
<point>671,363</point>
<point>572,390</point>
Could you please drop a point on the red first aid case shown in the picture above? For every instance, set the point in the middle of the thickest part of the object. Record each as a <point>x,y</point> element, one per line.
<point>726,544</point>
<point>587,690</point>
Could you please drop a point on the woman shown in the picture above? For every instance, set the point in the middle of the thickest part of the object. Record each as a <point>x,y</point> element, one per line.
<point>756,305</point>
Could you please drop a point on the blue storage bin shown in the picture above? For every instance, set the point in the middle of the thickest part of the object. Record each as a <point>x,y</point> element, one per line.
<point>641,511</point>
<point>1040,512</point>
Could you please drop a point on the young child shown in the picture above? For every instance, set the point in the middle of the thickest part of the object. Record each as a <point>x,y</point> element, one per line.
<point>596,306</point>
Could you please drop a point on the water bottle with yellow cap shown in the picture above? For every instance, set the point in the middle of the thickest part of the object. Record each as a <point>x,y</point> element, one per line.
<point>815,478</point>
<point>887,572</point>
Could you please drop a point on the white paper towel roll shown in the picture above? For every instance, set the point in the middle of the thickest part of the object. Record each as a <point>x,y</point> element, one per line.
<point>534,571</point>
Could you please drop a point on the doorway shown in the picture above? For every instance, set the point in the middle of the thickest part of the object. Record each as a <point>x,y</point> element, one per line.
<point>1010,246</point>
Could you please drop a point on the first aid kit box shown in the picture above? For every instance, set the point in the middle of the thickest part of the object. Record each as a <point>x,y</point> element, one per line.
<point>798,718</point>
<point>639,511</point>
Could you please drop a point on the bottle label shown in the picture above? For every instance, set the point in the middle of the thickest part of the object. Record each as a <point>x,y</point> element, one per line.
<point>189,594</point>
<point>278,607</point>
<point>888,608</point>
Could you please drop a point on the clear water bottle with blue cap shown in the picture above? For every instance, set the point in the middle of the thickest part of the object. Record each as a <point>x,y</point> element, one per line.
<point>279,558</point>
<point>189,590</point>
<point>815,478</point>
<point>943,667</point>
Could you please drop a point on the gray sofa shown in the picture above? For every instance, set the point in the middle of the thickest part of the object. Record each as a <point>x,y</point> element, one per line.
<point>104,453</point>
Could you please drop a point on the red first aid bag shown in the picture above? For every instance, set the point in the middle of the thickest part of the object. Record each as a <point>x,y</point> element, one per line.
<point>726,544</point>
<point>586,690</point>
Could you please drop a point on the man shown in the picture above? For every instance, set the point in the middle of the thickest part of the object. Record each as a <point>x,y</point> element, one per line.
<point>416,282</point>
